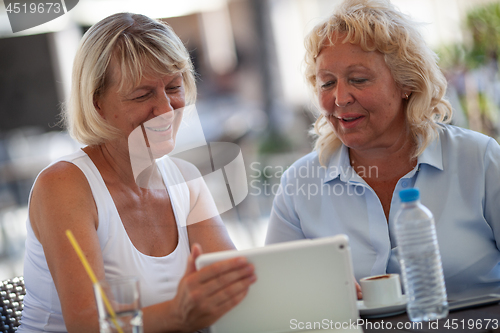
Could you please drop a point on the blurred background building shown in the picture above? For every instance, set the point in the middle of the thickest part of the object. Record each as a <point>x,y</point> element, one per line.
<point>248,54</point>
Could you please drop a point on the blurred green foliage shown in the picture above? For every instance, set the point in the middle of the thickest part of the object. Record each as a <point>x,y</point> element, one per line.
<point>482,26</point>
<point>274,142</point>
<point>474,66</point>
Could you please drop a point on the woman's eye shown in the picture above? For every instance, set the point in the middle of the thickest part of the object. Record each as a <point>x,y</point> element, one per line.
<point>359,80</point>
<point>327,84</point>
<point>141,97</point>
<point>174,88</point>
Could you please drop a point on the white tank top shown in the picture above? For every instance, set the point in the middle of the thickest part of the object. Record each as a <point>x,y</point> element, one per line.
<point>158,276</point>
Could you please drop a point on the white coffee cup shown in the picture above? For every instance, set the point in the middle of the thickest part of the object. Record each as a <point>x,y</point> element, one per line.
<point>381,290</point>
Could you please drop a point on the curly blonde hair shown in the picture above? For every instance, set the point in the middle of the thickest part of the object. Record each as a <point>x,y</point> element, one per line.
<point>140,46</point>
<point>378,25</point>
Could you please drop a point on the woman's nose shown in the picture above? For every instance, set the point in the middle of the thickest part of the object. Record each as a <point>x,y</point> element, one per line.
<point>164,104</point>
<point>343,96</point>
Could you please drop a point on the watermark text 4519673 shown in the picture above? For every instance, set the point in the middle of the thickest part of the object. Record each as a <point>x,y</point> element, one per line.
<point>33,7</point>
<point>25,14</point>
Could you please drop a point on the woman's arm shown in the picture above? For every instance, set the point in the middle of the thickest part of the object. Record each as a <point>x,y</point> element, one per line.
<point>492,188</point>
<point>284,223</point>
<point>202,296</point>
<point>62,200</point>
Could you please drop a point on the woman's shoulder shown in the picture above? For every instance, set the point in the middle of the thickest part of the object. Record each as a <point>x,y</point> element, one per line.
<point>463,136</point>
<point>60,189</point>
<point>461,143</point>
<point>59,176</point>
<point>63,176</point>
<point>63,169</point>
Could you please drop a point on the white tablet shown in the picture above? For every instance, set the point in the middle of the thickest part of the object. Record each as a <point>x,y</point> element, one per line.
<point>301,285</point>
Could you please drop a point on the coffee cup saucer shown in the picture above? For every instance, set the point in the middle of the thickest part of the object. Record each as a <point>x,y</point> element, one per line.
<point>383,310</point>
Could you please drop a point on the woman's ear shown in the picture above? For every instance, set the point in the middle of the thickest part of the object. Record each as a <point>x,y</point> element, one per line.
<point>405,92</point>
<point>97,105</point>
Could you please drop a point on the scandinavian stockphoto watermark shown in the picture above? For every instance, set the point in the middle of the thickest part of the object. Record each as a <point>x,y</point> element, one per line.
<point>265,180</point>
<point>26,14</point>
<point>217,169</point>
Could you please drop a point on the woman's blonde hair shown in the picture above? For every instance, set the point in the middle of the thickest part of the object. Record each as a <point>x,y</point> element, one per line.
<point>139,46</point>
<point>376,25</point>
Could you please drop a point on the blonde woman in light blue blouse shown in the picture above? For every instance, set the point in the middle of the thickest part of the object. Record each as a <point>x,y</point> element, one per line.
<point>383,127</point>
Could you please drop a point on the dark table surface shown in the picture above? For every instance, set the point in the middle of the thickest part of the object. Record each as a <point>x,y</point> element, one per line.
<point>475,320</point>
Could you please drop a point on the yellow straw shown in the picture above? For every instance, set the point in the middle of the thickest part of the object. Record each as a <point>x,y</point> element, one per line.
<point>92,276</point>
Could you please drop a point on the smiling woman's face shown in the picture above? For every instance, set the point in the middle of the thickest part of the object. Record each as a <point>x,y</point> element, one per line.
<point>156,103</point>
<point>359,97</point>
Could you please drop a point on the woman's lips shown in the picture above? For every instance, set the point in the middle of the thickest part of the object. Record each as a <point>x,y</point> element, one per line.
<point>159,129</point>
<point>159,133</point>
<point>350,121</point>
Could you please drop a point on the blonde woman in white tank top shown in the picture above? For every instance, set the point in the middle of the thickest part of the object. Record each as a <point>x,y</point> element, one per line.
<point>129,70</point>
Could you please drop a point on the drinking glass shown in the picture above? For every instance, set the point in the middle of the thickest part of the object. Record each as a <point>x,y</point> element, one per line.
<point>118,305</point>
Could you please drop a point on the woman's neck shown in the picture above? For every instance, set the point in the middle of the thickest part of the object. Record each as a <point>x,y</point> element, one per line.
<point>388,162</point>
<point>113,163</point>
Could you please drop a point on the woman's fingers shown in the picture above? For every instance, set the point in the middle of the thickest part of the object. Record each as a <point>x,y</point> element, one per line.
<point>196,251</point>
<point>358,290</point>
<point>223,267</point>
<point>205,295</point>
<point>217,304</point>
<point>226,277</point>
<point>230,303</point>
<point>233,293</point>
<point>191,264</point>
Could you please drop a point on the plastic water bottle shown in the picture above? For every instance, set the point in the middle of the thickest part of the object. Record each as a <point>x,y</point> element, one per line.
<point>420,259</point>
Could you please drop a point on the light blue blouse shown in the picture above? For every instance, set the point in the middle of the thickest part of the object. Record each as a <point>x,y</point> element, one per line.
<point>459,180</point>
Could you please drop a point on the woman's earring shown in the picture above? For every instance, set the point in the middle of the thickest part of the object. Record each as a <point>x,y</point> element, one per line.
<point>406,96</point>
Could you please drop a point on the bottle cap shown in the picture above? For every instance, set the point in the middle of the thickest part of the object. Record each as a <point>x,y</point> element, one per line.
<point>410,194</point>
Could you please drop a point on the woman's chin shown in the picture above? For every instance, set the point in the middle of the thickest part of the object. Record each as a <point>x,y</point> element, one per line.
<point>161,149</point>
<point>353,142</point>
